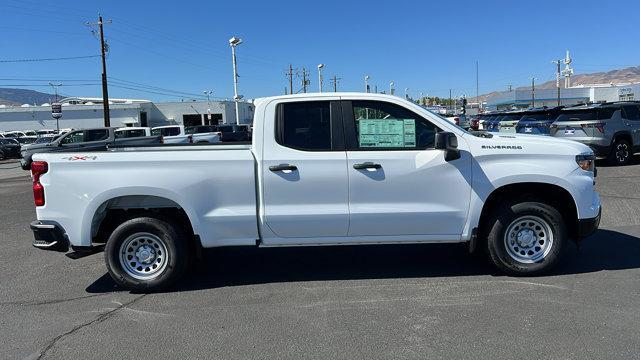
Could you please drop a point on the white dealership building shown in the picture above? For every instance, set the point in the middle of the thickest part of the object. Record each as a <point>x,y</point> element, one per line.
<point>79,113</point>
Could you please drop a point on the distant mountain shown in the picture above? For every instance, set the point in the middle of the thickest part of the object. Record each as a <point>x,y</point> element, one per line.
<point>24,96</point>
<point>627,75</point>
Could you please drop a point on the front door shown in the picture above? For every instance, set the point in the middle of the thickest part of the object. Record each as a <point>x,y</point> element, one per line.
<point>399,185</point>
<point>304,172</point>
<point>632,120</point>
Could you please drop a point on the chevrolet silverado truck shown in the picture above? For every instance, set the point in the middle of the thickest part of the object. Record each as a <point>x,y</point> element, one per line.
<point>322,169</point>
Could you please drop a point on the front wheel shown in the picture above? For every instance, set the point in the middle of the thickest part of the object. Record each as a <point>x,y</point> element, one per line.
<point>145,254</point>
<point>526,238</point>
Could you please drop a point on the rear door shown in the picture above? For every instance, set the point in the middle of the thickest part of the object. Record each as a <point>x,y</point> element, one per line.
<point>304,173</point>
<point>632,120</point>
<point>400,187</point>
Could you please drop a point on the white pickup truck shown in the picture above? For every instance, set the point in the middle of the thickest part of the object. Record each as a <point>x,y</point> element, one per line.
<point>323,169</point>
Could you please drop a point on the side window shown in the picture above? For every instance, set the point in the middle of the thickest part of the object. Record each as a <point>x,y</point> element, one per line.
<point>388,126</point>
<point>72,138</point>
<point>304,125</point>
<point>96,135</point>
<point>606,113</point>
<point>631,112</point>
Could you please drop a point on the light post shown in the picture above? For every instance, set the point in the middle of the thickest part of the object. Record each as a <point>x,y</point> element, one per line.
<point>208,93</point>
<point>56,109</point>
<point>406,93</point>
<point>233,42</point>
<point>366,84</point>
<point>391,88</point>
<point>320,66</point>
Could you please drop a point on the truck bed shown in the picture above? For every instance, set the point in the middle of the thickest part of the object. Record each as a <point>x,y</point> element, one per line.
<point>214,184</point>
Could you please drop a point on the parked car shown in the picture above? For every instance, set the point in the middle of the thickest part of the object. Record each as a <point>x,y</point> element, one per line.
<point>492,123</point>
<point>538,121</point>
<point>233,132</point>
<point>43,139</point>
<point>14,134</point>
<point>175,134</point>
<point>508,122</point>
<point>9,148</point>
<point>200,133</point>
<point>129,132</point>
<point>313,176</point>
<point>612,130</point>
<point>83,140</point>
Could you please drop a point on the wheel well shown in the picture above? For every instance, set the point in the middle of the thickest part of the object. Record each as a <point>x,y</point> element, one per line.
<point>114,212</point>
<point>622,135</point>
<point>549,194</point>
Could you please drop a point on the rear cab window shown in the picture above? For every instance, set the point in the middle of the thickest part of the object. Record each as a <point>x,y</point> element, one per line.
<point>305,125</point>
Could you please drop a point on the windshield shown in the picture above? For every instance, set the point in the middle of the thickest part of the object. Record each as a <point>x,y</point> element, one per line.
<point>44,140</point>
<point>578,115</point>
<point>537,117</point>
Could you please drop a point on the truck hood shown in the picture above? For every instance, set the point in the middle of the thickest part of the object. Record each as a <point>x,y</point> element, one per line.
<point>527,144</point>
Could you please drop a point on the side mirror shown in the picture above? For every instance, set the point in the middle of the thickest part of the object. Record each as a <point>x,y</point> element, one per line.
<point>448,142</point>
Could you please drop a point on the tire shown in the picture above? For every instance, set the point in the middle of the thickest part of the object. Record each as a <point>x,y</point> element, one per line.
<point>514,241</point>
<point>2,157</point>
<point>146,254</point>
<point>620,152</point>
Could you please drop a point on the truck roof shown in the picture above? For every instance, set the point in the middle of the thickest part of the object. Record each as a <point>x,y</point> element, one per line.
<point>359,95</point>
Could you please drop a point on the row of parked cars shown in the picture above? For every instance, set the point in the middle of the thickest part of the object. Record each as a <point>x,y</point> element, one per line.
<point>611,129</point>
<point>99,138</point>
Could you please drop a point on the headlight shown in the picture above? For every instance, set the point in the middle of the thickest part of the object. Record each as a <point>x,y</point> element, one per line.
<point>586,162</point>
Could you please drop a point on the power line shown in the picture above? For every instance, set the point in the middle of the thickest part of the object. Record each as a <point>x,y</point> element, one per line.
<point>49,59</point>
<point>155,88</point>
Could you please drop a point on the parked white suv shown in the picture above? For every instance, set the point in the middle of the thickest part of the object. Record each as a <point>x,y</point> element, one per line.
<point>175,134</point>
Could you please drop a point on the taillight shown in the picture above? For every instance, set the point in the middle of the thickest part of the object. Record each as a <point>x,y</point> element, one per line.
<point>190,137</point>
<point>161,139</point>
<point>597,126</point>
<point>38,168</point>
<point>457,120</point>
<point>474,124</point>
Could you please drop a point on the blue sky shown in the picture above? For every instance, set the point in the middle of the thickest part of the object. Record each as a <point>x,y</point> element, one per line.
<point>423,46</point>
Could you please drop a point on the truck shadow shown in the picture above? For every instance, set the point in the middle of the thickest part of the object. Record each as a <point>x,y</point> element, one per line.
<point>605,250</point>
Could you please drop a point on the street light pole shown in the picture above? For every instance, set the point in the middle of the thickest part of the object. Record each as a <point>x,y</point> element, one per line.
<point>391,88</point>
<point>57,117</point>
<point>366,84</point>
<point>233,42</point>
<point>320,66</point>
<point>208,93</point>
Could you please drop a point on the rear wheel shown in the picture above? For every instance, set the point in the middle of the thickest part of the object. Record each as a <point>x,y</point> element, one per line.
<point>526,238</point>
<point>620,152</point>
<point>146,254</point>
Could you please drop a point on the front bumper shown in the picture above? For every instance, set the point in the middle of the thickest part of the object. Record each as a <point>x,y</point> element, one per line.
<point>49,236</point>
<point>586,227</point>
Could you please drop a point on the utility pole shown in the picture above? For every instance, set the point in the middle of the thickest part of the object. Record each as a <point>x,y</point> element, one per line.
<point>477,89</point>
<point>450,100</point>
<point>290,75</point>
<point>558,62</point>
<point>533,91</point>
<point>509,87</point>
<point>305,82</point>
<point>103,50</point>
<point>334,80</point>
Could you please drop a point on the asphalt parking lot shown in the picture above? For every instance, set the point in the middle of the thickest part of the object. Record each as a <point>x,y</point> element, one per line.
<point>374,302</point>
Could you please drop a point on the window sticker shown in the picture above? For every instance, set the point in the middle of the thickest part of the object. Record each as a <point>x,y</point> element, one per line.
<point>387,133</point>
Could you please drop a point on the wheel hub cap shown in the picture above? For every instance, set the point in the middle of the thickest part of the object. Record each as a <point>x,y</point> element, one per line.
<point>143,256</point>
<point>528,239</point>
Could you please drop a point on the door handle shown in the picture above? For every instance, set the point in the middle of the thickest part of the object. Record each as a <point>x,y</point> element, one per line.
<point>366,166</point>
<point>283,167</point>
